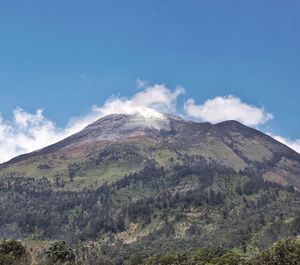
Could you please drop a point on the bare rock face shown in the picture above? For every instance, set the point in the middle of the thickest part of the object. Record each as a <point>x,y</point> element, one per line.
<point>131,140</point>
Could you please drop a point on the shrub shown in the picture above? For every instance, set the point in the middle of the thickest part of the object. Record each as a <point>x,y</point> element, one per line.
<point>12,252</point>
<point>283,252</point>
<point>59,253</point>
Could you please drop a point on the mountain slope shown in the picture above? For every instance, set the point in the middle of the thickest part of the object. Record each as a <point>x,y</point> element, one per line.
<point>118,144</point>
<point>143,185</point>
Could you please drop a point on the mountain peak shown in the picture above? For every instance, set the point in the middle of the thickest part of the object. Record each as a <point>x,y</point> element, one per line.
<point>230,123</point>
<point>146,134</point>
<point>143,119</point>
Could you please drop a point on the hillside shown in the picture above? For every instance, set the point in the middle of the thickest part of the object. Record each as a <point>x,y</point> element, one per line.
<point>120,144</point>
<point>153,184</point>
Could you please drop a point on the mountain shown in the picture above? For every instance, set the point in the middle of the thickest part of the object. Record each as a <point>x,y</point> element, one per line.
<point>128,187</point>
<point>119,144</point>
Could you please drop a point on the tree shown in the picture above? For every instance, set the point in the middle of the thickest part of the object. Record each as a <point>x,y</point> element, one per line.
<point>12,252</point>
<point>73,169</point>
<point>59,253</point>
<point>283,252</point>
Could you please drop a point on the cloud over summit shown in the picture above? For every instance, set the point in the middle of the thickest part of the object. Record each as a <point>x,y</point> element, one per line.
<point>27,132</point>
<point>157,97</point>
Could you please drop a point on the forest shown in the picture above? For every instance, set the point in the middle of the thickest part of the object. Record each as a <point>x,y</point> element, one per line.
<point>187,205</point>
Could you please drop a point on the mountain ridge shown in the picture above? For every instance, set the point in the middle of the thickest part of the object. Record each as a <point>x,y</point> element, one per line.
<point>51,148</point>
<point>162,137</point>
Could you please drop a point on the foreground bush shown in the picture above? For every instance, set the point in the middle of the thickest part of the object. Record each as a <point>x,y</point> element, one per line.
<point>12,252</point>
<point>58,253</point>
<point>285,252</point>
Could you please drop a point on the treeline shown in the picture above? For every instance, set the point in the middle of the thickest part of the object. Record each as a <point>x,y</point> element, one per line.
<point>13,252</point>
<point>285,252</point>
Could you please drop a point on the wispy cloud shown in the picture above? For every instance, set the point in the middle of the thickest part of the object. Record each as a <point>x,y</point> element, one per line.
<point>230,107</point>
<point>141,83</point>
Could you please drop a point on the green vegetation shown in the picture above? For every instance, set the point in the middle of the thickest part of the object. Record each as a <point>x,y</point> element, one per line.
<point>196,257</point>
<point>123,193</point>
<point>58,253</point>
<point>12,252</point>
<point>283,252</point>
<point>191,204</point>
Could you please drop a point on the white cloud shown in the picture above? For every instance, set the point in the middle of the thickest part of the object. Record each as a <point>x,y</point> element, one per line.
<point>294,144</point>
<point>157,97</point>
<point>230,107</point>
<point>28,132</point>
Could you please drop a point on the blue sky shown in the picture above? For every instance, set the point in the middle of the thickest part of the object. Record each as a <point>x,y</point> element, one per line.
<point>64,56</point>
